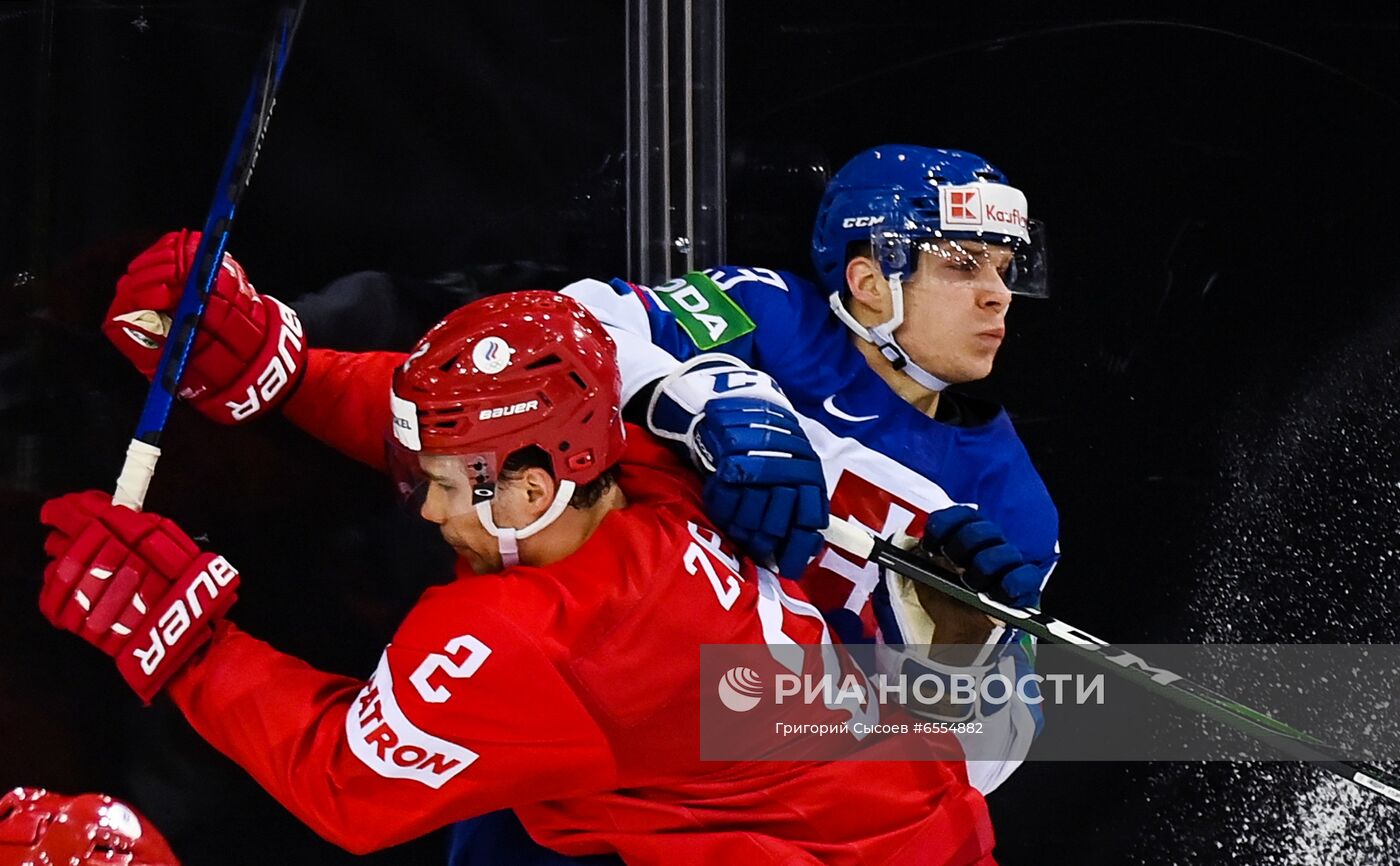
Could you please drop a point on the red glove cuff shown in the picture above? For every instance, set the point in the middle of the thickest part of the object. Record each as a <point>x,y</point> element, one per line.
<point>178,625</point>
<point>249,361</point>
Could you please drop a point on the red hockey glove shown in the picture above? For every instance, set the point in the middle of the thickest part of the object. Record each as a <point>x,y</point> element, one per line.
<point>249,353</point>
<point>133,585</point>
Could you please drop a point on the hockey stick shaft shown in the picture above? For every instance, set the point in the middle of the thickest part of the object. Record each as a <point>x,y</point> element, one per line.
<point>1174,687</point>
<point>144,450</point>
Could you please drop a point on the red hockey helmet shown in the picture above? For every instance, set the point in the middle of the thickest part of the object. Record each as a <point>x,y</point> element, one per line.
<point>508,372</point>
<point>38,827</point>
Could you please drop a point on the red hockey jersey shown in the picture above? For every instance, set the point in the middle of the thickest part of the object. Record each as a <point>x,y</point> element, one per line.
<point>570,693</point>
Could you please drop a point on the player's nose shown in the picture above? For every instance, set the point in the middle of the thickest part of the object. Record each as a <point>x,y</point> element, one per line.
<point>431,510</point>
<point>992,292</point>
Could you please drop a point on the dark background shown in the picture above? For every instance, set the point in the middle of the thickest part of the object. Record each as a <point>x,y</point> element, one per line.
<point>1211,392</point>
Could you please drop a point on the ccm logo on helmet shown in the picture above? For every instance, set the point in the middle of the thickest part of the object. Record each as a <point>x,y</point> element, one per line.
<point>503,411</point>
<point>177,618</point>
<point>861,221</point>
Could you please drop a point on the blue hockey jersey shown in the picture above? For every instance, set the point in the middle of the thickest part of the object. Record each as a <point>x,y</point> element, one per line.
<point>887,465</point>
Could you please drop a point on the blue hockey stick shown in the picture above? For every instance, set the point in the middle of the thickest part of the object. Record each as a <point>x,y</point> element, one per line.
<point>144,450</point>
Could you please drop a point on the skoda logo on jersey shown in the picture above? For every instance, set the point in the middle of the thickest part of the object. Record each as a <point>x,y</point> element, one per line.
<point>740,689</point>
<point>492,355</point>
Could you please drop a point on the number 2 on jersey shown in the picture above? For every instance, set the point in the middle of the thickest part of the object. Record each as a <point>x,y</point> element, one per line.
<point>454,665</point>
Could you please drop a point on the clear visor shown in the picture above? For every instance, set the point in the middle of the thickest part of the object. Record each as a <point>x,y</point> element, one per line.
<point>1020,265</point>
<point>464,479</point>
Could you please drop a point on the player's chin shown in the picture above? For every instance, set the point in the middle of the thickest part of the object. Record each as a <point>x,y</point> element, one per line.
<point>478,563</point>
<point>463,550</point>
<point>971,367</point>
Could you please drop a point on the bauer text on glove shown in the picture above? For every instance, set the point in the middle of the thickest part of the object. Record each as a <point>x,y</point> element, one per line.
<point>249,352</point>
<point>132,584</point>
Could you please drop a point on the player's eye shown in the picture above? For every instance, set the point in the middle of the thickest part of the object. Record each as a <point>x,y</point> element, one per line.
<point>961,261</point>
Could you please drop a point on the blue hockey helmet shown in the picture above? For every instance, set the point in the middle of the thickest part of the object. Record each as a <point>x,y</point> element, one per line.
<point>898,194</point>
<point>902,199</point>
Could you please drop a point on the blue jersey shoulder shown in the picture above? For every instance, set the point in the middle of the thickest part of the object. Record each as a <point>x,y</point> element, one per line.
<point>758,315</point>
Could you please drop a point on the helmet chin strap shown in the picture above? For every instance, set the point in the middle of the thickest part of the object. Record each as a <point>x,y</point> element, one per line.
<point>507,538</point>
<point>882,335</point>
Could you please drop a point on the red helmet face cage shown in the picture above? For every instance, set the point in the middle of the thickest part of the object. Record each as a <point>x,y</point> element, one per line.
<point>39,827</point>
<point>508,372</point>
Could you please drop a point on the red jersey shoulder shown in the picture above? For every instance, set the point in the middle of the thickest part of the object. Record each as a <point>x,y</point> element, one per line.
<point>459,679</point>
<point>506,605</point>
<point>652,473</point>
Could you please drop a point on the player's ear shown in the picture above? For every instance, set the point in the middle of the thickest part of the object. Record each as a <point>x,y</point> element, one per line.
<point>538,486</point>
<point>865,282</point>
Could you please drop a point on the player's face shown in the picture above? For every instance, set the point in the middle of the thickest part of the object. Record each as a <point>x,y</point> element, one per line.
<point>955,309</point>
<point>449,504</point>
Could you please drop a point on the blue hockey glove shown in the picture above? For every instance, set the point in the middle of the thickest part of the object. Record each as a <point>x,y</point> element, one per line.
<point>767,491</point>
<point>765,487</point>
<point>987,562</point>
